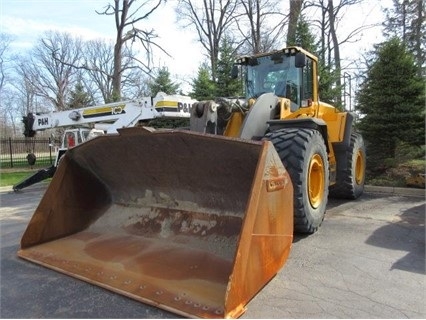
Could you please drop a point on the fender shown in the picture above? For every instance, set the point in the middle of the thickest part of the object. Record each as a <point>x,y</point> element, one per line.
<point>310,123</point>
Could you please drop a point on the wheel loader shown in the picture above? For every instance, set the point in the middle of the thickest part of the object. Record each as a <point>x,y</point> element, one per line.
<point>197,222</point>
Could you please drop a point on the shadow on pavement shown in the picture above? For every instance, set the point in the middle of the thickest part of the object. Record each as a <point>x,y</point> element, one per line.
<point>405,234</point>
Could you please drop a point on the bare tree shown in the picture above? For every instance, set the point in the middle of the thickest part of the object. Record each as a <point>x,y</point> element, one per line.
<point>254,24</point>
<point>211,19</point>
<point>136,84</point>
<point>98,68</point>
<point>50,67</point>
<point>25,88</point>
<point>128,31</point>
<point>8,112</point>
<point>5,41</point>
<point>42,79</point>
<point>111,66</point>
<point>330,40</point>
<point>7,106</point>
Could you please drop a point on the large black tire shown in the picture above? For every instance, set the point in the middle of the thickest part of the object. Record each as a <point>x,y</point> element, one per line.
<point>304,155</point>
<point>350,175</point>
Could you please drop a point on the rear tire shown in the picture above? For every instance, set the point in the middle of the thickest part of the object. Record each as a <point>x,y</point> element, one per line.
<point>350,176</point>
<point>304,155</point>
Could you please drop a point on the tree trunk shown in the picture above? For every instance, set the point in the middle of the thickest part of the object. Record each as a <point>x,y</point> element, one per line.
<point>116,78</point>
<point>120,22</point>
<point>323,44</point>
<point>418,40</point>
<point>295,8</point>
<point>336,50</point>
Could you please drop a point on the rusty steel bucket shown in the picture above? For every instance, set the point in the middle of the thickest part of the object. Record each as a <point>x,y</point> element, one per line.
<point>194,224</point>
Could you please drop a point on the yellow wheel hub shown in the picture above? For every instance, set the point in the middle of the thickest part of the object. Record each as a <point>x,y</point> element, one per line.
<point>359,167</point>
<point>316,181</point>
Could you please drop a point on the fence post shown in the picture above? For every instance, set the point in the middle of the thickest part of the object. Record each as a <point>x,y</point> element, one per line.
<point>50,150</point>
<point>10,150</point>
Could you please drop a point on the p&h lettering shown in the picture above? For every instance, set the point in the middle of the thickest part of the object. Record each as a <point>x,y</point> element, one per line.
<point>43,121</point>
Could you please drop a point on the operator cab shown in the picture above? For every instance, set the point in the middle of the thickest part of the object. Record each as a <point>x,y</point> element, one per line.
<point>74,137</point>
<point>286,73</point>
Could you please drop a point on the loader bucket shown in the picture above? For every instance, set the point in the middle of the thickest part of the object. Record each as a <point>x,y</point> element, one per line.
<point>193,224</point>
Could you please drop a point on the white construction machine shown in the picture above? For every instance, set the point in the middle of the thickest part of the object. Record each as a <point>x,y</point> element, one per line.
<point>86,123</point>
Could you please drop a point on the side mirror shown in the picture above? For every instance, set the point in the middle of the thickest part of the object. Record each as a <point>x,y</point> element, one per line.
<point>253,62</point>
<point>300,60</point>
<point>277,57</point>
<point>234,72</point>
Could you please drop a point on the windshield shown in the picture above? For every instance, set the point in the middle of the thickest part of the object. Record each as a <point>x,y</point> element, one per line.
<point>272,74</point>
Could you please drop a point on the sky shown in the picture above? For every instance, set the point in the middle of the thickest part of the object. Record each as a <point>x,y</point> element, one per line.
<point>26,20</point>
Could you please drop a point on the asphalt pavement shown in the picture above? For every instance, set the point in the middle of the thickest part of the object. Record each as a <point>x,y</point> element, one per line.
<point>366,261</point>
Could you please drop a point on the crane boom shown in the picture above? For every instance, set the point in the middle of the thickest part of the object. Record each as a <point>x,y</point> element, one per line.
<point>112,116</point>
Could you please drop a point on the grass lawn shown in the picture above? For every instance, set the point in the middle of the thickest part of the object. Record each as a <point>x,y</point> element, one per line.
<point>12,178</point>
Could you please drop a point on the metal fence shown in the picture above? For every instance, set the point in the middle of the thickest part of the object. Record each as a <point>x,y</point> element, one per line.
<point>14,153</point>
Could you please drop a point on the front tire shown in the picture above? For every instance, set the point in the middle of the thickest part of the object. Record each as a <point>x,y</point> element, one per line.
<point>304,155</point>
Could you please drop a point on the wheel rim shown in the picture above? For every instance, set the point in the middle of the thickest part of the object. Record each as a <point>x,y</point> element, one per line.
<point>359,167</point>
<point>316,181</point>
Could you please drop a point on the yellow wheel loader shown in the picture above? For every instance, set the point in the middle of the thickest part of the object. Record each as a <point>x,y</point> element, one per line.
<point>315,141</point>
<point>197,222</point>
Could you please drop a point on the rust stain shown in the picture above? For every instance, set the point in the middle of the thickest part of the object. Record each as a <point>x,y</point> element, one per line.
<point>183,264</point>
<point>115,248</point>
<point>160,259</point>
<point>184,222</point>
<point>86,236</point>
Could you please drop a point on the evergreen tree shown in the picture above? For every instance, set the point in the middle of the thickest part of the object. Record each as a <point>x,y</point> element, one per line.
<point>203,87</point>
<point>406,20</point>
<point>163,83</point>
<point>304,37</point>
<point>225,85</point>
<point>328,91</point>
<point>79,98</point>
<point>391,100</point>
